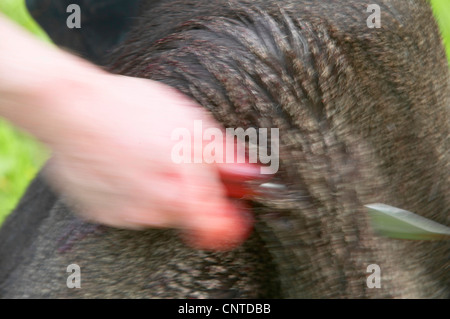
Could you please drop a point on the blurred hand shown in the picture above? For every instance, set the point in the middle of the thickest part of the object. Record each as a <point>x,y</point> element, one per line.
<point>113,161</point>
<point>111,142</point>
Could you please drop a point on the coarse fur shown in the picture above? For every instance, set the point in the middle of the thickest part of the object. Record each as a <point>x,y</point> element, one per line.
<point>363,117</point>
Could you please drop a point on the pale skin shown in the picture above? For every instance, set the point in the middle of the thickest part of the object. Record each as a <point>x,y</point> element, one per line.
<point>111,144</point>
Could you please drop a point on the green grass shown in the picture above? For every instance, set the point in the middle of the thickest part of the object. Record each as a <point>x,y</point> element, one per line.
<point>21,156</point>
<point>16,10</point>
<point>20,159</point>
<point>441,9</point>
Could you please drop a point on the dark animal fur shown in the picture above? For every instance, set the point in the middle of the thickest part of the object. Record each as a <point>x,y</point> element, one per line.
<point>363,117</point>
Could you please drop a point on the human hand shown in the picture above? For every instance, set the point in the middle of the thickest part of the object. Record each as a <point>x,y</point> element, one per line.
<point>111,142</point>
<point>112,159</point>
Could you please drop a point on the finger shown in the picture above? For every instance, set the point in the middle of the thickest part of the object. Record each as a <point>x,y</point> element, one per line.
<point>224,231</point>
<point>207,217</point>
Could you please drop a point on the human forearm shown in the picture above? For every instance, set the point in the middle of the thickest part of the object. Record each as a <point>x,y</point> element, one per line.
<point>37,79</point>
